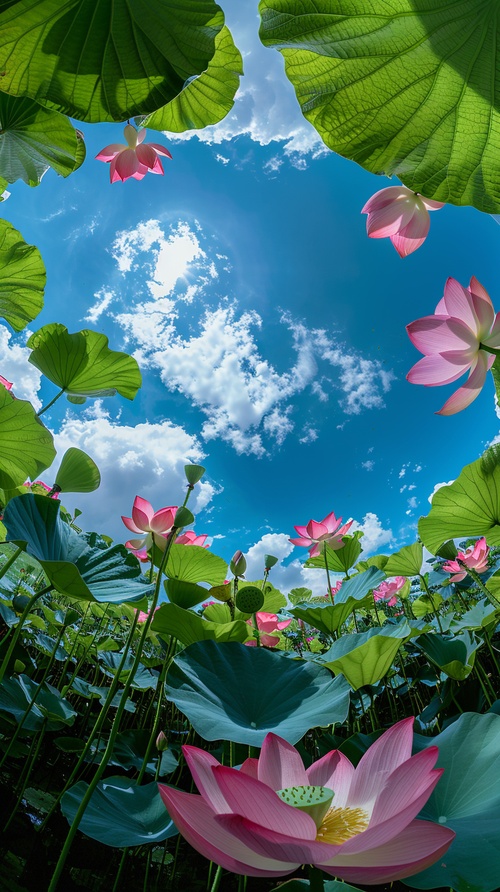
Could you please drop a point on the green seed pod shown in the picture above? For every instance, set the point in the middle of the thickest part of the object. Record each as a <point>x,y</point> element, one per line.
<point>20,602</point>
<point>249,599</point>
<point>193,473</point>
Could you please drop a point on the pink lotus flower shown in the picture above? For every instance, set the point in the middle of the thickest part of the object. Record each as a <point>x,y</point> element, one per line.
<point>144,616</point>
<point>190,538</point>
<point>133,159</point>
<point>6,384</point>
<point>273,815</point>
<point>145,520</point>
<point>334,590</point>
<point>41,485</point>
<point>476,558</point>
<point>267,623</point>
<point>329,530</point>
<point>401,215</point>
<point>452,342</point>
<point>387,590</point>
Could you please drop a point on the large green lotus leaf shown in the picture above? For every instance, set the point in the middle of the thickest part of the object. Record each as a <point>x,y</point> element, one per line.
<point>365,657</point>
<point>17,693</point>
<point>71,564</point>
<point>406,562</point>
<point>339,561</point>
<point>467,800</point>
<point>188,627</point>
<point>77,472</point>
<point>353,594</point>
<point>22,276</point>
<point>469,507</point>
<point>120,813</point>
<point>405,87</point>
<point>206,99</point>
<point>32,139</point>
<point>82,363</point>
<point>478,617</point>
<point>27,445</point>
<point>105,60</point>
<point>241,693</point>
<point>184,594</point>
<point>192,563</point>
<point>454,656</point>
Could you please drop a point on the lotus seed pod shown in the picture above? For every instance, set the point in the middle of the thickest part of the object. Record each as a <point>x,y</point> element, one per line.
<point>249,599</point>
<point>20,602</point>
<point>193,473</point>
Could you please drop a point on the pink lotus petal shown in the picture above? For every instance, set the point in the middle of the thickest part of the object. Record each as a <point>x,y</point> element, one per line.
<point>141,136</point>
<point>466,394</point>
<point>250,766</point>
<point>147,155</point>
<point>331,522</point>
<point>302,531</point>
<point>305,543</point>
<point>255,801</point>
<point>457,301</point>
<point>109,152</point>
<point>412,234</point>
<point>135,544</point>
<point>483,308</point>
<point>162,520</point>
<point>6,384</point>
<point>384,197</point>
<point>280,764</point>
<point>142,513</point>
<point>201,765</point>
<point>315,529</point>
<point>430,204</point>
<point>127,164</point>
<point>493,339</point>
<point>434,370</point>
<point>438,334</point>
<point>129,523</point>
<point>269,843</point>
<point>334,771</point>
<point>161,150</point>
<point>418,846</point>
<point>194,818</point>
<point>389,750</point>
<point>389,220</point>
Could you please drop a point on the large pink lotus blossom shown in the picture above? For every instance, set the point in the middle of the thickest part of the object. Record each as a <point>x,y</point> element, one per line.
<point>6,384</point>
<point>267,623</point>
<point>135,158</point>
<point>328,531</point>
<point>476,558</point>
<point>273,815</point>
<point>453,342</point>
<point>190,538</point>
<point>388,589</point>
<point>156,524</point>
<point>401,215</point>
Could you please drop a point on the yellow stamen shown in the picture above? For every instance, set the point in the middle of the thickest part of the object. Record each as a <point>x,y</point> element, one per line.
<point>339,824</point>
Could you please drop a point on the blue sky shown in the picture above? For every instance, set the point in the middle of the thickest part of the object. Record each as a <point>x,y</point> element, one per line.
<point>270,330</point>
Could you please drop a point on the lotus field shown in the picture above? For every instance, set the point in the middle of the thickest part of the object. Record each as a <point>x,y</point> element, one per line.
<point>167,720</point>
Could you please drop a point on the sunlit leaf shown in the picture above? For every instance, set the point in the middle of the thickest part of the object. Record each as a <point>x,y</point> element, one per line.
<point>454,656</point>
<point>22,277</point>
<point>82,363</point>
<point>188,627</point>
<point>365,657</point>
<point>77,472</point>
<point>27,446</point>
<point>408,87</point>
<point>339,561</point>
<point>192,563</point>
<point>406,562</point>
<point>105,60</point>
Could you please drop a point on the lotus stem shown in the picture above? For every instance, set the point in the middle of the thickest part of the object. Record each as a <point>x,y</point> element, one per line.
<point>17,632</point>
<point>45,408</point>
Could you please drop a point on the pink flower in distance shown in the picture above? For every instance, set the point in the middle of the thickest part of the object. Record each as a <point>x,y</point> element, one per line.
<point>401,215</point>
<point>6,384</point>
<point>145,520</point>
<point>253,821</point>
<point>135,158</point>
<point>452,342</point>
<point>190,538</point>
<point>329,530</point>
<point>476,557</point>
<point>267,623</point>
<point>144,616</point>
<point>388,589</point>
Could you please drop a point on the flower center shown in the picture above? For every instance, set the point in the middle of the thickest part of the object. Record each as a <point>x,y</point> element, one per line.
<point>315,801</point>
<point>339,824</point>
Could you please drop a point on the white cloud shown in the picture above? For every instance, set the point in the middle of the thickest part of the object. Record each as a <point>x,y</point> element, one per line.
<point>368,465</point>
<point>310,435</point>
<point>438,486</point>
<point>375,536</point>
<point>284,578</point>
<point>413,502</point>
<point>103,299</point>
<point>15,367</point>
<point>146,459</point>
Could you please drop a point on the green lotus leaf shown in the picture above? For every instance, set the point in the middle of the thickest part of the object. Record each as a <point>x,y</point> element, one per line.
<point>469,507</point>
<point>378,560</point>
<point>77,472</point>
<point>454,656</point>
<point>365,657</point>
<point>219,687</point>
<point>105,60</point>
<point>353,594</point>
<point>18,692</point>
<point>192,563</point>
<point>184,594</point>
<point>188,627</point>
<point>480,616</point>
<point>206,99</point>
<point>32,139</point>
<point>27,446</point>
<point>426,604</point>
<point>82,363</point>
<point>407,88</point>
<point>339,561</point>
<point>298,595</point>
<point>467,800</point>
<point>22,277</point>
<point>71,564</point>
<point>130,748</point>
<point>120,813</point>
<point>406,562</point>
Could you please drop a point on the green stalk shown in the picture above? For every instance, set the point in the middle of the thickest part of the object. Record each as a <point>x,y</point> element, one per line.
<point>328,575</point>
<point>217,879</point>
<point>45,408</point>
<point>10,561</point>
<point>18,629</point>
<point>115,726</point>
<point>423,584</point>
<point>26,776</point>
<point>479,582</point>
<point>316,883</point>
<point>159,704</point>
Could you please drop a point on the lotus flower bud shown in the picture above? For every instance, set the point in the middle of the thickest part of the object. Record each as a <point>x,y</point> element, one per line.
<point>249,599</point>
<point>183,517</point>
<point>161,742</point>
<point>238,564</point>
<point>193,473</point>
